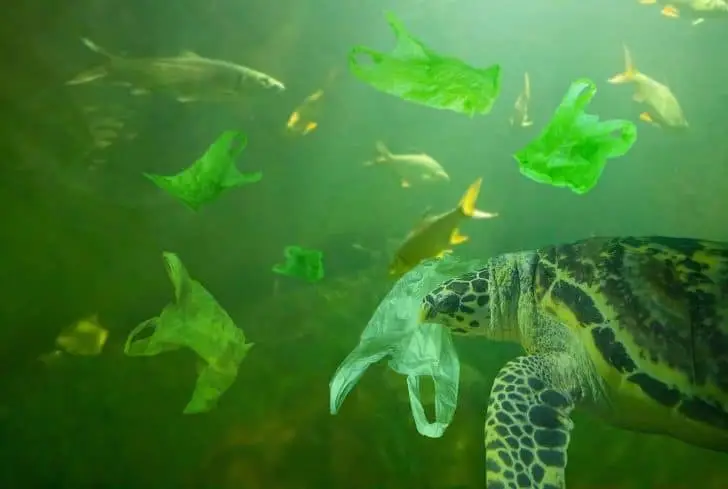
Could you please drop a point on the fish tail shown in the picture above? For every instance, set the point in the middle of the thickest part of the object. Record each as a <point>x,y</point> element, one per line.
<point>629,69</point>
<point>383,156</point>
<point>97,72</point>
<point>96,48</point>
<point>467,203</point>
<point>383,150</point>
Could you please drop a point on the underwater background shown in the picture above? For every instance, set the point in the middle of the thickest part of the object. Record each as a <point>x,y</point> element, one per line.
<point>82,233</point>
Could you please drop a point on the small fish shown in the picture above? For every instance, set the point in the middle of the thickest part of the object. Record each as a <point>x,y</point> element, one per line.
<point>303,118</point>
<point>520,113</point>
<point>664,110</point>
<point>697,10</point>
<point>436,234</point>
<point>85,337</point>
<point>410,168</point>
<point>188,76</point>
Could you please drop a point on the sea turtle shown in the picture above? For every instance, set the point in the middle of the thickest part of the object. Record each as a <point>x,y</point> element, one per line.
<point>635,328</point>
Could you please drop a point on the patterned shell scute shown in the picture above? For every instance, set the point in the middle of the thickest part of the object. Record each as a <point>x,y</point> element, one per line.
<point>665,297</point>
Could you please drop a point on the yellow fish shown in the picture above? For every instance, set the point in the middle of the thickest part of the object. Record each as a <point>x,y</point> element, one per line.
<point>85,337</point>
<point>436,234</point>
<point>694,9</point>
<point>303,119</point>
<point>520,112</point>
<point>664,110</point>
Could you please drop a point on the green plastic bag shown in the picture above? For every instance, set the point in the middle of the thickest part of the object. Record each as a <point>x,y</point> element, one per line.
<point>301,263</point>
<point>574,147</point>
<point>211,175</point>
<point>418,74</point>
<point>197,321</point>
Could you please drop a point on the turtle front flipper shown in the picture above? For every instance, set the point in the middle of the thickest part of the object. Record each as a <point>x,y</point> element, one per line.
<point>527,427</point>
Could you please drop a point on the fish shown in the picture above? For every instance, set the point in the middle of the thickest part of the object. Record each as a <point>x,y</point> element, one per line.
<point>411,168</point>
<point>665,110</point>
<point>520,112</point>
<point>188,76</point>
<point>85,337</point>
<point>303,118</point>
<point>698,10</point>
<point>435,235</point>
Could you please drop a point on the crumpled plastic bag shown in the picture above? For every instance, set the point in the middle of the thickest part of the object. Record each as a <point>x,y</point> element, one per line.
<point>197,321</point>
<point>303,263</point>
<point>574,147</point>
<point>211,175</point>
<point>414,349</point>
<point>416,73</point>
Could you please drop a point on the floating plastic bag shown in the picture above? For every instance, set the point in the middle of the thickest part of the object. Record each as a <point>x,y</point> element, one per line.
<point>302,263</point>
<point>197,321</point>
<point>416,73</point>
<point>414,349</point>
<point>211,175</point>
<point>574,147</point>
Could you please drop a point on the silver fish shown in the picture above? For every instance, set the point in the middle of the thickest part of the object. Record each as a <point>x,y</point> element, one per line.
<point>520,110</point>
<point>189,77</point>
<point>411,168</point>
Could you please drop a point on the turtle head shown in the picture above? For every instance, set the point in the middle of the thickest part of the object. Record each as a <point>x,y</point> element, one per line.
<point>480,303</point>
<point>461,304</point>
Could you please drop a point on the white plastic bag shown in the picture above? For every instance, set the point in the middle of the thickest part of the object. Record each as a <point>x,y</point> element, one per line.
<point>415,349</point>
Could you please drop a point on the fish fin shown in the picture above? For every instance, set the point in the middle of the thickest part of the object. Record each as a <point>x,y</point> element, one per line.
<point>50,357</point>
<point>467,203</point>
<point>189,54</point>
<point>88,76</point>
<point>95,47</point>
<point>405,184</point>
<point>314,96</point>
<point>456,238</point>
<point>186,98</point>
<point>646,117</point>
<point>638,97</point>
<point>383,150</point>
<point>629,69</point>
<point>310,127</point>
<point>698,21</point>
<point>670,11</point>
<point>526,122</point>
<point>140,91</point>
<point>443,253</point>
<point>383,156</point>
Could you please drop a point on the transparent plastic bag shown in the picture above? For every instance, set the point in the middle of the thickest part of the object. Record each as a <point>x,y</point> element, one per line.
<point>414,349</point>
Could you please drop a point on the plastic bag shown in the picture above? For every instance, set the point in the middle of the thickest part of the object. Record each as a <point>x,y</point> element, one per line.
<point>211,175</point>
<point>302,263</point>
<point>197,321</point>
<point>414,349</point>
<point>574,147</point>
<point>416,73</point>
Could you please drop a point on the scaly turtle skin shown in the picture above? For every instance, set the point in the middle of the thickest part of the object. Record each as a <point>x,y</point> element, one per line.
<point>635,329</point>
